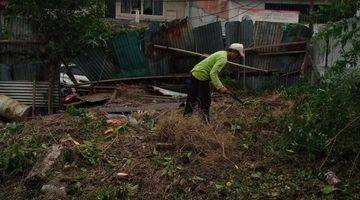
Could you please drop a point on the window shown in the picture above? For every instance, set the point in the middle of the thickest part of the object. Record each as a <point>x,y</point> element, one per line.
<point>145,7</point>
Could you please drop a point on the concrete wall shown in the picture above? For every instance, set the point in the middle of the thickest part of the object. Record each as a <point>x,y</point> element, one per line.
<point>172,9</point>
<point>321,61</point>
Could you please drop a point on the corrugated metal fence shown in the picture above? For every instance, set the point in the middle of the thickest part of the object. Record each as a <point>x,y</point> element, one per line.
<point>20,63</point>
<point>22,91</point>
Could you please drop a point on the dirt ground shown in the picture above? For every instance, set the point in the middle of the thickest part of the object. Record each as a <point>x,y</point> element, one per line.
<point>160,155</point>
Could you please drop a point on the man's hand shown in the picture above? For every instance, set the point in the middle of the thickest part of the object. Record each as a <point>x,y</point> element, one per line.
<point>224,90</point>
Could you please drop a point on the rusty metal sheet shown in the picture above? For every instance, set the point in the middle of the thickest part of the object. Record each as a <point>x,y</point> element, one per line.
<point>266,33</point>
<point>239,32</point>
<point>177,33</point>
<point>95,97</point>
<point>208,38</point>
<point>158,61</point>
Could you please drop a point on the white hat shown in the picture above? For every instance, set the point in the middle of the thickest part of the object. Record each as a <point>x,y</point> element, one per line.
<point>239,47</point>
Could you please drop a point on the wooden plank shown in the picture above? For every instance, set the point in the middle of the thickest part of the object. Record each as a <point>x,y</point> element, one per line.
<point>157,106</point>
<point>274,45</point>
<point>21,42</point>
<point>281,53</point>
<point>205,56</point>
<point>130,79</point>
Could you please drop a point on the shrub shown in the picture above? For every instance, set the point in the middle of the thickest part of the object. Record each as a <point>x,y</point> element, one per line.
<point>326,117</point>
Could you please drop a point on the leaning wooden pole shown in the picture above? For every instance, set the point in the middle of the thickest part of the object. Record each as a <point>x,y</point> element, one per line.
<point>205,56</point>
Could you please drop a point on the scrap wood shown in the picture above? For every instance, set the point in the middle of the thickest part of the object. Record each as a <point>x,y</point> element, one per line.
<point>275,45</point>
<point>156,106</point>
<point>40,169</point>
<point>281,53</point>
<point>93,98</point>
<point>129,79</point>
<point>169,92</point>
<point>164,146</point>
<point>160,97</point>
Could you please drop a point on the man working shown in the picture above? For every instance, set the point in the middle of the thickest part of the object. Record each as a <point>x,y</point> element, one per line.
<point>204,72</point>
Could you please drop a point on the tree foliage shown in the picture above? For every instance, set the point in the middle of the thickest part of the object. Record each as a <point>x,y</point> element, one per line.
<point>337,10</point>
<point>67,25</point>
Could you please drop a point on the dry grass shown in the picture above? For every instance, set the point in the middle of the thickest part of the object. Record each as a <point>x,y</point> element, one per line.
<point>191,134</point>
<point>214,149</point>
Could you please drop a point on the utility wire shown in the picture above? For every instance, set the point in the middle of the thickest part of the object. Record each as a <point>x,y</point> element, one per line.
<point>245,11</point>
<point>212,14</point>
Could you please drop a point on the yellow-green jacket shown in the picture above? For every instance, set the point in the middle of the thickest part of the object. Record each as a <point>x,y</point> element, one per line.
<point>210,67</point>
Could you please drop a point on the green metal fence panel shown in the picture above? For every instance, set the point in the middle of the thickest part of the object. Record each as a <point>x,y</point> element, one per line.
<point>129,59</point>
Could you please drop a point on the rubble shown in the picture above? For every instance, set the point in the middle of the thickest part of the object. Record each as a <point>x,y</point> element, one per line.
<point>54,190</point>
<point>169,92</point>
<point>145,147</point>
<point>39,172</point>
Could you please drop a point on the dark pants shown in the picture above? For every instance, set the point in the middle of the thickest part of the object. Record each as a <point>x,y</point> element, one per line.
<point>198,94</point>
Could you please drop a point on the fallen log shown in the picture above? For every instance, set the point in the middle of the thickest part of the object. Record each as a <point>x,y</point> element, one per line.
<point>12,109</point>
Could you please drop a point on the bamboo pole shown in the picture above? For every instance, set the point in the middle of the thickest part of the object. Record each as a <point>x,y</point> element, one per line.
<point>274,45</point>
<point>205,56</point>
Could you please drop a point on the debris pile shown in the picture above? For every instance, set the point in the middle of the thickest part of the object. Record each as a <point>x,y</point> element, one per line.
<point>89,154</point>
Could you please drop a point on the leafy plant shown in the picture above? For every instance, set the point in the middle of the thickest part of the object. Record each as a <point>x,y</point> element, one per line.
<point>10,130</point>
<point>262,116</point>
<point>20,156</point>
<point>80,112</point>
<point>89,153</point>
<point>166,161</point>
<point>106,193</point>
<point>323,112</point>
<point>237,125</point>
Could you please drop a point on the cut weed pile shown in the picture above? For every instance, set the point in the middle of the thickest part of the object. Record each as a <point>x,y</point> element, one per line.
<point>134,95</point>
<point>163,156</point>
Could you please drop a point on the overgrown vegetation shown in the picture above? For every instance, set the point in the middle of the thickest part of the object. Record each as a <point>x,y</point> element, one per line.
<point>325,123</point>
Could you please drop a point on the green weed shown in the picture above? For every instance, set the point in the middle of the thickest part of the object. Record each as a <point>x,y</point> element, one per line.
<point>237,125</point>
<point>89,153</point>
<point>106,193</point>
<point>10,130</point>
<point>20,156</point>
<point>166,161</point>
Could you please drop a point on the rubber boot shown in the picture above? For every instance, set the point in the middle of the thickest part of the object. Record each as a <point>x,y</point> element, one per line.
<point>188,110</point>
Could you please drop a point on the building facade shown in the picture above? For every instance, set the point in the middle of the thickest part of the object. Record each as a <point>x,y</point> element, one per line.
<point>150,10</point>
<point>204,12</point>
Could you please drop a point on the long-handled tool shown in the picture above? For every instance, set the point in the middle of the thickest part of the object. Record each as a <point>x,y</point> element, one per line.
<point>236,98</point>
